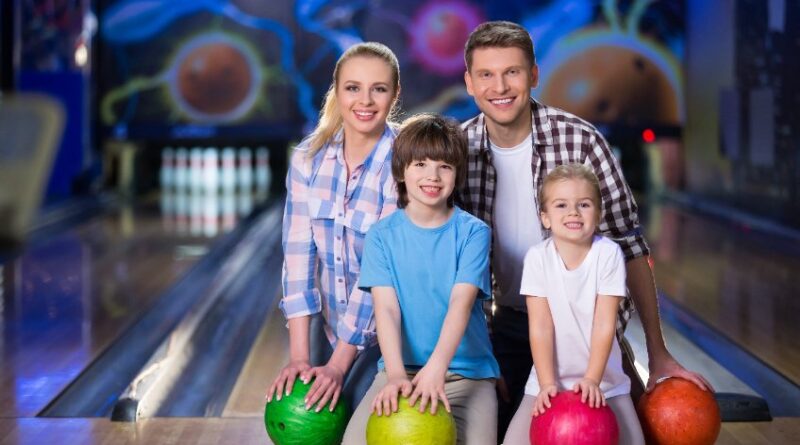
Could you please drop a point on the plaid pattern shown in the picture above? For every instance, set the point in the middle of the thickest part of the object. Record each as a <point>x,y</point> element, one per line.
<point>559,138</point>
<point>324,224</point>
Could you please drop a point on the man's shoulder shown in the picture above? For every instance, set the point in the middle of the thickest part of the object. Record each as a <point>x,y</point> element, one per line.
<point>563,120</point>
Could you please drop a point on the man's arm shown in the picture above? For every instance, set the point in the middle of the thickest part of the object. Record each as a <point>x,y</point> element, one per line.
<point>641,285</point>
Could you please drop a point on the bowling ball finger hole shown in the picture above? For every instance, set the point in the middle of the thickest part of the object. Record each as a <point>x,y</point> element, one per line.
<point>281,426</point>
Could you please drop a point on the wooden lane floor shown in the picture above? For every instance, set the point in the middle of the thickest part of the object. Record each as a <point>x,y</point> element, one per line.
<point>250,430</point>
<point>741,283</point>
<point>67,297</point>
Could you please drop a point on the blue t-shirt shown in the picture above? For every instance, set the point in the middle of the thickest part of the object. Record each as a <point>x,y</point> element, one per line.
<point>423,265</point>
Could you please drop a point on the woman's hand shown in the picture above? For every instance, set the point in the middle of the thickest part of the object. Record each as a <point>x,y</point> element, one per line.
<point>327,386</point>
<point>286,378</point>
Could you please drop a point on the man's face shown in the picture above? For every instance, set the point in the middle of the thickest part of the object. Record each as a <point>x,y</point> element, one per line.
<point>500,80</point>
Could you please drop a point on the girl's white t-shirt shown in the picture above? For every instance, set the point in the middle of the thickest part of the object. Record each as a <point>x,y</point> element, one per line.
<point>572,295</point>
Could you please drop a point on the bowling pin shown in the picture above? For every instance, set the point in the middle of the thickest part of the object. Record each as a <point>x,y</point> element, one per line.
<point>227,177</point>
<point>181,178</point>
<point>210,215</point>
<point>210,171</point>
<point>244,204</point>
<point>263,173</point>
<point>244,172</point>
<point>181,212</point>
<point>167,173</point>
<point>227,209</point>
<point>196,169</point>
<point>196,208</point>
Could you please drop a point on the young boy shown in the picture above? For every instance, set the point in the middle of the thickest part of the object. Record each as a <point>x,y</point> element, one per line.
<point>427,266</point>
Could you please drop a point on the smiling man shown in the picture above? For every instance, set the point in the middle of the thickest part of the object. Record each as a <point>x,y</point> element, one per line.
<point>513,144</point>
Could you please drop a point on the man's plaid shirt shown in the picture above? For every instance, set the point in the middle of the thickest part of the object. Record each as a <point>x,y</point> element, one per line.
<point>559,138</point>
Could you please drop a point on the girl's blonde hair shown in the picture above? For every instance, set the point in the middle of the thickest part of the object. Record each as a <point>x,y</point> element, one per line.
<point>571,171</point>
<point>330,120</point>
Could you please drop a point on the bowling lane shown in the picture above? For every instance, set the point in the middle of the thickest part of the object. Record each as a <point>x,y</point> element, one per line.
<point>740,282</point>
<point>67,297</point>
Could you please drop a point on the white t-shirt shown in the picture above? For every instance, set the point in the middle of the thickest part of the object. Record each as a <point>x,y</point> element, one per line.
<point>516,224</point>
<point>572,295</point>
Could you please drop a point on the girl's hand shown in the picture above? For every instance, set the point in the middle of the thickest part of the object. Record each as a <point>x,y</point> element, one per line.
<point>386,400</point>
<point>590,392</point>
<point>429,387</point>
<point>542,401</point>
<point>286,378</point>
<point>327,386</point>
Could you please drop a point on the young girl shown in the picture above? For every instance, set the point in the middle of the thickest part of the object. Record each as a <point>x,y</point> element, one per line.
<point>574,282</point>
<point>427,267</point>
<point>339,183</point>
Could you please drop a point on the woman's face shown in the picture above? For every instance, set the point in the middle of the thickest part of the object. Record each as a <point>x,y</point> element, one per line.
<point>365,93</point>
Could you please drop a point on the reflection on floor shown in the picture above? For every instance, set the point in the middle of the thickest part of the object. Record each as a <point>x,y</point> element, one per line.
<point>743,284</point>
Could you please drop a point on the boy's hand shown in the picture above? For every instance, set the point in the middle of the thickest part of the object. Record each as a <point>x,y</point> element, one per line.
<point>386,400</point>
<point>590,392</point>
<point>286,378</point>
<point>429,387</point>
<point>327,386</point>
<point>542,401</point>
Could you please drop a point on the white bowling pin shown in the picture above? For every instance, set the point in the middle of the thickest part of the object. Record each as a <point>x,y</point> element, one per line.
<point>244,171</point>
<point>167,173</point>
<point>181,178</point>
<point>227,177</point>
<point>196,169</point>
<point>210,170</point>
<point>263,173</point>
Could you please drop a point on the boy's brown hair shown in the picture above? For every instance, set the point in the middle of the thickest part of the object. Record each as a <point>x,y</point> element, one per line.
<point>499,34</point>
<point>428,136</point>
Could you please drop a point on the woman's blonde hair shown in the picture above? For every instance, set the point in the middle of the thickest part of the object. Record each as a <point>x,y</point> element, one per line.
<point>330,120</point>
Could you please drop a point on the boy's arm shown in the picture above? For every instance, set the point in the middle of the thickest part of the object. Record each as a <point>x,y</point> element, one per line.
<point>429,381</point>
<point>387,318</point>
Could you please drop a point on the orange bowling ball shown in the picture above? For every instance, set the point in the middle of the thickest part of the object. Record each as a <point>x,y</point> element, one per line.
<point>677,412</point>
<point>214,78</point>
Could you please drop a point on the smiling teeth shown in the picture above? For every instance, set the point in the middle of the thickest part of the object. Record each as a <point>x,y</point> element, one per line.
<point>502,101</point>
<point>365,113</point>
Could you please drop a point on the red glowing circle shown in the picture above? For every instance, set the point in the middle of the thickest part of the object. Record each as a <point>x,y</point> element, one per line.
<point>648,135</point>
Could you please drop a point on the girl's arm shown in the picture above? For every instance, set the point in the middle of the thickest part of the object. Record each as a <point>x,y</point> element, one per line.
<point>604,327</point>
<point>387,319</point>
<point>542,338</point>
<point>429,381</point>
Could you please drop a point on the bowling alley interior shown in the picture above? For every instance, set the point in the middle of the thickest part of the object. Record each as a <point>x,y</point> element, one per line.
<point>144,151</point>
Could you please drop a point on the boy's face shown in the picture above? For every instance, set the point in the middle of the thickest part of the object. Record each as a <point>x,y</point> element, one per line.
<point>500,81</point>
<point>570,211</point>
<point>429,183</point>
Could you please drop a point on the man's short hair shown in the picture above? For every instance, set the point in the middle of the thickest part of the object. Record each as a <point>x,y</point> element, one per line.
<point>499,34</point>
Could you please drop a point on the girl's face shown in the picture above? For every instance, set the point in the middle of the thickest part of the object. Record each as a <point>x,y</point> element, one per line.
<point>365,93</point>
<point>570,211</point>
<point>429,183</point>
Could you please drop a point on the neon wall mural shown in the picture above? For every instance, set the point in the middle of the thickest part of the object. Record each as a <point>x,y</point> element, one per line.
<point>251,68</point>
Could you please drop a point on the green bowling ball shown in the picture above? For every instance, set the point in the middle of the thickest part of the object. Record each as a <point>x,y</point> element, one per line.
<point>410,427</point>
<point>289,423</point>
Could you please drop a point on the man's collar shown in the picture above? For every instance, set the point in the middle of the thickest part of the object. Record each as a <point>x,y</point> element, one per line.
<point>541,131</point>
